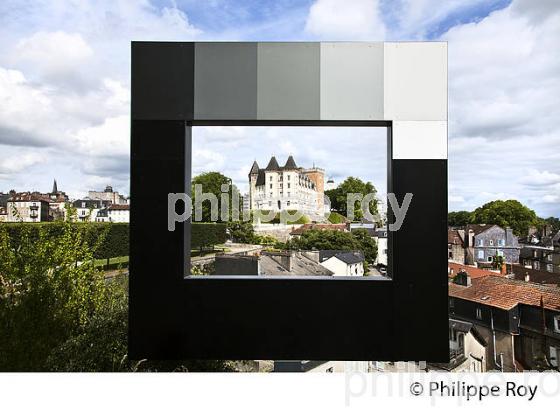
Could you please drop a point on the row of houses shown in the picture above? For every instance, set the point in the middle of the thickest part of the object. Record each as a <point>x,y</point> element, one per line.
<point>504,299</point>
<point>98,206</point>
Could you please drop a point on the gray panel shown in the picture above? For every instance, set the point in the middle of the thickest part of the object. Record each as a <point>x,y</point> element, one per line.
<point>225,81</point>
<point>352,81</point>
<point>288,81</point>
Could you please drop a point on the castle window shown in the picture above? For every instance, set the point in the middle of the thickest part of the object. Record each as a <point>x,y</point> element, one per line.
<point>288,184</point>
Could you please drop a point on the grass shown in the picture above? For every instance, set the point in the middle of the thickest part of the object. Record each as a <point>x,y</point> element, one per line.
<point>113,262</point>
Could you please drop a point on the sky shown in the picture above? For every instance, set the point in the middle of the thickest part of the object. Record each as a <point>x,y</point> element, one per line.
<point>65,82</point>
<point>360,152</point>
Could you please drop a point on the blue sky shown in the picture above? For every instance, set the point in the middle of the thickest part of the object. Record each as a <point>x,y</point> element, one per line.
<point>64,83</point>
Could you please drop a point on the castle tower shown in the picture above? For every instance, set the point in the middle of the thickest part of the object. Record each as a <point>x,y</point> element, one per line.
<point>317,175</point>
<point>253,174</point>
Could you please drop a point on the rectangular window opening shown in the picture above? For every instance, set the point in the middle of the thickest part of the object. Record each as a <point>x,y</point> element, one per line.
<point>331,224</point>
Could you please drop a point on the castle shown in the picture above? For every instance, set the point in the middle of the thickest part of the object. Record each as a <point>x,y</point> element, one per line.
<point>289,187</point>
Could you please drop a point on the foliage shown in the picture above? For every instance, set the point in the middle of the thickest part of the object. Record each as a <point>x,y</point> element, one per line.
<point>497,262</point>
<point>283,215</point>
<point>352,185</point>
<point>241,231</point>
<point>207,234</point>
<point>458,218</point>
<point>109,239</point>
<point>336,240</point>
<point>510,213</point>
<point>336,218</point>
<point>49,288</point>
<point>211,182</point>
<point>552,221</point>
<point>102,345</point>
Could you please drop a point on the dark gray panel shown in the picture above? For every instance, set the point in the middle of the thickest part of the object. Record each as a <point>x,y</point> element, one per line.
<point>162,82</point>
<point>225,81</point>
<point>288,81</point>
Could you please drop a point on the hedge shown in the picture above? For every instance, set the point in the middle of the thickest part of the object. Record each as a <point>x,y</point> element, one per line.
<point>207,234</point>
<point>116,241</point>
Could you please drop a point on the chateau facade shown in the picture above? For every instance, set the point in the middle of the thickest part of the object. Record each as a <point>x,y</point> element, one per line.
<point>289,187</point>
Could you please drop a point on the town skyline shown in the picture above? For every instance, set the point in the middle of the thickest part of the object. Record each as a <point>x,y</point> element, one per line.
<point>61,121</point>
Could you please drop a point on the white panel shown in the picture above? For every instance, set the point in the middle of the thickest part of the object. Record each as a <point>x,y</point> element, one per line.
<point>415,81</point>
<point>352,81</point>
<point>419,139</point>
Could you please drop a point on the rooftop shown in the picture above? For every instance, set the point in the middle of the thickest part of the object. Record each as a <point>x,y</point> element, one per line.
<point>503,293</point>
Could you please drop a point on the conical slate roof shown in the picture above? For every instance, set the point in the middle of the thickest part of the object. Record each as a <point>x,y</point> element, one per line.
<point>254,168</point>
<point>273,165</point>
<point>290,163</point>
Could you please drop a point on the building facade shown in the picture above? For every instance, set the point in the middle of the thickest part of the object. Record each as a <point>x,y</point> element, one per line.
<point>28,207</point>
<point>108,195</point>
<point>87,209</point>
<point>483,242</point>
<point>277,188</point>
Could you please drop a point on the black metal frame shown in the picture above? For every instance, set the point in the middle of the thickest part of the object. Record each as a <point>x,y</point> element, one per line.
<point>172,317</point>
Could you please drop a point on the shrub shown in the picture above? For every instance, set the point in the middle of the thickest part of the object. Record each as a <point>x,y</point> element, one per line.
<point>207,234</point>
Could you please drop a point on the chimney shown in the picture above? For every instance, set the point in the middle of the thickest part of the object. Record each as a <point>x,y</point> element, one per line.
<point>463,278</point>
<point>509,236</point>
<point>471,238</point>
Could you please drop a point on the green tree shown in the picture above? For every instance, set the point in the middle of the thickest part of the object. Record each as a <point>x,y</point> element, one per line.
<point>458,218</point>
<point>241,231</point>
<point>336,240</point>
<point>102,344</point>
<point>211,182</point>
<point>510,213</point>
<point>49,288</point>
<point>352,185</point>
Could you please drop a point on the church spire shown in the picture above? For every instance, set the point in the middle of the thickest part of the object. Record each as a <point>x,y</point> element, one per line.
<point>54,187</point>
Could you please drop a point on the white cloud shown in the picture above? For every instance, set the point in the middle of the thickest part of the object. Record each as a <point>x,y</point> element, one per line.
<point>537,178</point>
<point>58,57</point>
<point>348,20</point>
<point>15,164</point>
<point>111,138</point>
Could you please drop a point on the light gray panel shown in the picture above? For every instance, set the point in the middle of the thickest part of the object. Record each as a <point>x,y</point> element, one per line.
<point>225,81</point>
<point>352,81</point>
<point>288,81</point>
<point>416,81</point>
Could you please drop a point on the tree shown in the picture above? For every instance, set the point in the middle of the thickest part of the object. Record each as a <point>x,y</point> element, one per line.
<point>352,185</point>
<point>49,288</point>
<point>211,183</point>
<point>102,345</point>
<point>336,240</point>
<point>458,218</point>
<point>553,222</point>
<point>241,231</point>
<point>510,213</point>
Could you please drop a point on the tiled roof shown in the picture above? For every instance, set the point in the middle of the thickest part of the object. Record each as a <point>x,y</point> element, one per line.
<point>506,293</point>
<point>453,237</point>
<point>273,165</point>
<point>116,207</point>
<point>290,163</point>
<point>350,258</point>
<point>478,228</point>
<point>473,271</point>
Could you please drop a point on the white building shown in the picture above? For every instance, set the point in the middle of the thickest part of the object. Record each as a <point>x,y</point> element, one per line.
<point>114,213</point>
<point>87,209</point>
<point>345,264</point>
<point>27,207</point>
<point>380,237</point>
<point>289,187</point>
